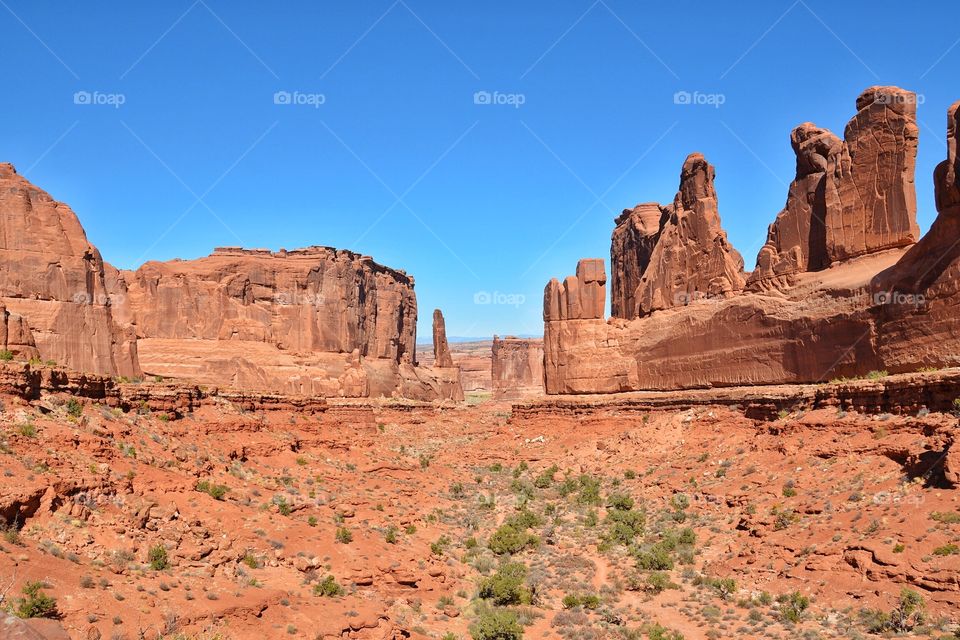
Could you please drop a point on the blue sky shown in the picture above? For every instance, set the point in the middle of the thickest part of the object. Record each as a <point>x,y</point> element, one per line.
<point>179,144</point>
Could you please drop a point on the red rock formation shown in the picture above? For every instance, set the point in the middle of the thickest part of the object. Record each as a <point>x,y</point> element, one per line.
<point>309,321</point>
<point>580,297</point>
<point>517,367</point>
<point>796,241</point>
<point>888,308</point>
<point>631,247</point>
<point>15,335</point>
<point>918,297</point>
<point>53,278</point>
<point>692,258</point>
<point>441,350</point>
<point>870,194</point>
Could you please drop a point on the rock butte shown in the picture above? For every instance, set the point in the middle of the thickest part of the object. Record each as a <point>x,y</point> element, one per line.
<point>314,321</point>
<point>844,284</point>
<point>517,367</point>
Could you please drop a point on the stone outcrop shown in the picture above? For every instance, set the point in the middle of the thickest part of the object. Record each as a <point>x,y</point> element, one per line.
<point>315,321</point>
<point>870,193</point>
<point>441,350</point>
<point>796,241</point>
<point>516,367</point>
<point>631,247</point>
<point>691,258</point>
<point>580,297</point>
<point>16,336</point>
<point>56,280</point>
<point>854,298</point>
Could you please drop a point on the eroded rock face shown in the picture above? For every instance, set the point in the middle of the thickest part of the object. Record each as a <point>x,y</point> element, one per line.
<point>314,321</point>
<point>691,259</point>
<point>317,299</point>
<point>52,277</point>
<point>883,303</point>
<point>796,241</point>
<point>870,193</point>
<point>631,247</point>
<point>918,297</point>
<point>517,367</point>
<point>441,350</point>
<point>580,297</point>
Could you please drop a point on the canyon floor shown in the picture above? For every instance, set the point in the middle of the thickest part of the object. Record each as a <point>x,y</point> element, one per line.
<point>392,520</point>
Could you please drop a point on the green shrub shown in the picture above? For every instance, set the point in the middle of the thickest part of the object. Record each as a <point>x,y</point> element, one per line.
<point>74,408</point>
<point>158,558</point>
<point>343,535</point>
<point>6,355</point>
<point>946,550</point>
<point>496,624</point>
<point>35,603</point>
<point>215,491</point>
<point>328,588</point>
<point>658,581</point>
<point>509,539</point>
<point>946,517</point>
<point>589,490</point>
<point>657,558</point>
<point>506,586</point>
<point>545,479</point>
<point>793,606</point>
<point>624,525</point>
<point>905,616</point>
<point>589,601</point>
<point>659,632</point>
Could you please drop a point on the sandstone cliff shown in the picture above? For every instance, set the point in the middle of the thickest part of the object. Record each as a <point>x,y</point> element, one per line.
<point>797,240</point>
<point>517,367</point>
<point>853,294</point>
<point>691,259</point>
<point>631,247</point>
<point>56,280</point>
<point>870,193</point>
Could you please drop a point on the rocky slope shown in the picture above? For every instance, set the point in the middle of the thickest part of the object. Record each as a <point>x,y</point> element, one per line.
<point>387,521</point>
<point>840,289</point>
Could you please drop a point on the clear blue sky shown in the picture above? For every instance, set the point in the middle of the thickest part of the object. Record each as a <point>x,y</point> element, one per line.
<point>399,162</point>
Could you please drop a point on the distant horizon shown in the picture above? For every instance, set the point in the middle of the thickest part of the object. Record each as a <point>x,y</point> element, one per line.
<point>483,150</point>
